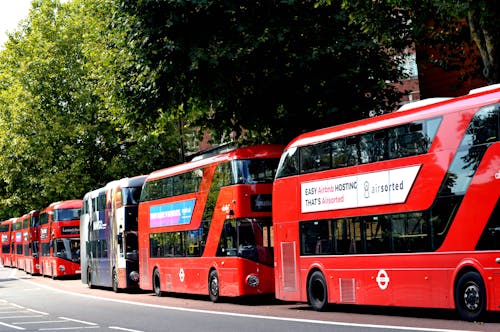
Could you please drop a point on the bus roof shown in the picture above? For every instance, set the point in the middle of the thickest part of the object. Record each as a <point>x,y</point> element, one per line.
<point>254,151</point>
<point>476,98</point>
<point>69,204</point>
<point>135,181</point>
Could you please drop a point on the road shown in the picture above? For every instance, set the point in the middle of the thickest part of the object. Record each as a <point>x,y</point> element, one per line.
<point>36,303</point>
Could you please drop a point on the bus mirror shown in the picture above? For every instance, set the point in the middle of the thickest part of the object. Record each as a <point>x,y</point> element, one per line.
<point>51,243</point>
<point>119,238</point>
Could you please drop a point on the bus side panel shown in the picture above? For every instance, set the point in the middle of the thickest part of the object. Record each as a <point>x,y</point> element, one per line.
<point>286,250</point>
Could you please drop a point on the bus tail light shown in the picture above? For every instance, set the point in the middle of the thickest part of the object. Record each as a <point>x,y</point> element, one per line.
<point>253,280</point>
<point>134,276</point>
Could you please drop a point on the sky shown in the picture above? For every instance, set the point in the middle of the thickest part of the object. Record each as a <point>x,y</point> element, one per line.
<point>11,12</point>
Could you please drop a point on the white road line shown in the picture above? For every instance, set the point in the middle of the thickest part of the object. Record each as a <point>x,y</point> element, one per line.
<point>17,316</point>
<point>38,312</point>
<point>68,328</point>
<point>12,326</point>
<point>78,321</point>
<point>123,329</point>
<point>17,306</point>
<point>41,322</point>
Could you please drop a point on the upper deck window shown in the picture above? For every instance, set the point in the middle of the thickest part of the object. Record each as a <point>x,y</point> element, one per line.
<point>406,140</point>
<point>179,184</point>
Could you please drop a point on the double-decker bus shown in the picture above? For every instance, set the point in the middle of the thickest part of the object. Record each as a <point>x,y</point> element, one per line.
<point>400,210</point>
<point>108,227</point>
<point>60,239</point>
<point>5,238</point>
<point>31,239</point>
<point>17,242</point>
<point>205,225</point>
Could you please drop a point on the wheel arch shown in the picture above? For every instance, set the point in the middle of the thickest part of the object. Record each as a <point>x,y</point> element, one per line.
<point>465,266</point>
<point>312,269</point>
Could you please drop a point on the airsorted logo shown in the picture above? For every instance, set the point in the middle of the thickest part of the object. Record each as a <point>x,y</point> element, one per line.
<point>366,189</point>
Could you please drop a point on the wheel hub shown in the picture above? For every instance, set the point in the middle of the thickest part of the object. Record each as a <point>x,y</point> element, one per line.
<point>471,297</point>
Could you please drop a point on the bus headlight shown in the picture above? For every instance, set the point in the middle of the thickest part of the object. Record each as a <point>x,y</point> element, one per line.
<point>62,268</point>
<point>253,280</point>
<point>134,276</point>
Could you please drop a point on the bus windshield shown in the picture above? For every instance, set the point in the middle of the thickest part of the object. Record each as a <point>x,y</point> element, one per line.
<point>68,249</point>
<point>255,170</point>
<point>66,214</point>
<point>131,195</point>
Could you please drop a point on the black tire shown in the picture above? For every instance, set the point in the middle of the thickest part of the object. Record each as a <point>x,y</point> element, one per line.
<point>470,296</point>
<point>157,283</point>
<point>317,292</point>
<point>213,286</point>
<point>114,278</point>
<point>89,279</point>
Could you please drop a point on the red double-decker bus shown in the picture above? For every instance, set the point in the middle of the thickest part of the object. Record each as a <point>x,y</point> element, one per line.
<point>60,239</point>
<point>5,238</point>
<point>17,242</point>
<point>205,226</point>
<point>31,237</point>
<point>401,210</point>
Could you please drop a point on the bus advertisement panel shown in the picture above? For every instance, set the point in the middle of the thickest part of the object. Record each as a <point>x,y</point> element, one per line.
<point>109,244</point>
<point>401,209</point>
<point>31,231</point>
<point>60,239</point>
<point>205,225</point>
<point>5,238</point>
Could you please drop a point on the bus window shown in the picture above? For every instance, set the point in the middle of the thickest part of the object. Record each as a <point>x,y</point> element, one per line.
<point>288,164</point>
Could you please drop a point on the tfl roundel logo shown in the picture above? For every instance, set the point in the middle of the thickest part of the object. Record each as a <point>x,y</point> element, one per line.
<point>382,279</point>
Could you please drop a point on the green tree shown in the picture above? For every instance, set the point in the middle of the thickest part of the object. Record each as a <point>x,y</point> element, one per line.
<point>255,69</point>
<point>63,128</point>
<point>438,24</point>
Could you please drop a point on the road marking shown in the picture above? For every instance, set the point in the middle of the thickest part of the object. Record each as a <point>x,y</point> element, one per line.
<point>78,321</point>
<point>17,305</point>
<point>24,316</point>
<point>68,328</point>
<point>12,326</point>
<point>123,329</point>
<point>38,312</point>
<point>41,322</point>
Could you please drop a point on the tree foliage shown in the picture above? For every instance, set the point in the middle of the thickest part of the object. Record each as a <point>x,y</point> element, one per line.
<point>96,90</point>
<point>441,24</point>
<point>63,129</point>
<point>251,69</point>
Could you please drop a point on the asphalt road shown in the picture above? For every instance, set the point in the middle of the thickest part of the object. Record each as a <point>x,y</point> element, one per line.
<point>35,303</point>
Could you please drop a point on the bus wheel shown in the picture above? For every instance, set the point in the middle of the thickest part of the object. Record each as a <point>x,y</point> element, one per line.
<point>470,296</point>
<point>317,292</point>
<point>213,286</point>
<point>115,281</point>
<point>89,278</point>
<point>156,283</point>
